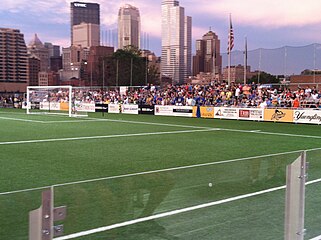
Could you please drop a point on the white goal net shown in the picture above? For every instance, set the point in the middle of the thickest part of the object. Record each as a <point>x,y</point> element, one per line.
<point>59,100</point>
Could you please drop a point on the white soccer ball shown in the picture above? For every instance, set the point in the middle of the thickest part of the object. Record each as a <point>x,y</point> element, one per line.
<point>210,185</point>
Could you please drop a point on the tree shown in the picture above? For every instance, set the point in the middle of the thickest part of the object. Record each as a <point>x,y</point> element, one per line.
<point>264,78</point>
<point>125,67</point>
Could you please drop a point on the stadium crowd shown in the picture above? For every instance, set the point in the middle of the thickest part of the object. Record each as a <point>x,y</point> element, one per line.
<point>218,94</point>
<point>250,95</point>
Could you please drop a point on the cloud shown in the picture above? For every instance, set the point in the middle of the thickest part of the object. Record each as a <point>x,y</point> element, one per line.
<point>264,13</point>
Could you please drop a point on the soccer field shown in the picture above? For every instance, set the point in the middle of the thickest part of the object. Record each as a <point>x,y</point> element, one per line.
<point>151,177</point>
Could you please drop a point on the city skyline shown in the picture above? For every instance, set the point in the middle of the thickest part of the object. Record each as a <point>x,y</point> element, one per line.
<point>267,25</point>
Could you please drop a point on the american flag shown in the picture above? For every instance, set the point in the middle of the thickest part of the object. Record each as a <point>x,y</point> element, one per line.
<point>230,38</point>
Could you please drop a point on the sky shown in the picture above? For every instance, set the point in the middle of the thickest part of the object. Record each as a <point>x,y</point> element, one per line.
<point>265,23</point>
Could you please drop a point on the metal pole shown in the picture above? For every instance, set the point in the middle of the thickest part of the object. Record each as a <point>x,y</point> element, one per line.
<point>259,75</point>
<point>91,76</point>
<point>103,74</point>
<point>314,59</point>
<point>131,72</point>
<point>245,61</point>
<point>117,73</point>
<point>146,71</point>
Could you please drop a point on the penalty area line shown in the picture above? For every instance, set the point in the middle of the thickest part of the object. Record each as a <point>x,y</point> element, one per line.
<point>175,212</point>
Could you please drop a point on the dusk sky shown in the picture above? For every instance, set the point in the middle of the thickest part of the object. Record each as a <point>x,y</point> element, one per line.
<point>266,23</point>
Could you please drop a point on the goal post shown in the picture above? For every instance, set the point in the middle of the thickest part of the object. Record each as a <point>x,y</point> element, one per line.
<point>58,100</point>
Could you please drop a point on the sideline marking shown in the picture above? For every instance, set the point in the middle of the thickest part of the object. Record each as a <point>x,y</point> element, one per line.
<point>184,126</point>
<point>162,170</point>
<point>171,213</point>
<point>316,238</point>
<point>23,120</point>
<point>106,136</point>
<point>199,127</point>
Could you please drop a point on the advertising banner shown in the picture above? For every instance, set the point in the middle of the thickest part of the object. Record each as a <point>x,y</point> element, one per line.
<point>85,107</point>
<point>146,109</point>
<point>129,109</point>
<point>278,115</point>
<point>179,111</point>
<point>101,107</point>
<point>113,108</point>
<point>163,110</point>
<point>183,111</point>
<point>206,112</point>
<point>254,114</point>
<point>64,106</point>
<point>44,106</point>
<point>226,113</point>
<point>307,116</point>
<point>54,106</point>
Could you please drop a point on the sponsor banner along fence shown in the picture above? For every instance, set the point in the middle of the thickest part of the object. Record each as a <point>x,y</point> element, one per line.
<point>307,116</point>
<point>129,108</point>
<point>178,111</point>
<point>205,112</point>
<point>226,113</point>
<point>101,107</point>
<point>85,107</point>
<point>113,108</point>
<point>278,115</point>
<point>255,114</point>
<point>54,106</point>
<point>146,109</point>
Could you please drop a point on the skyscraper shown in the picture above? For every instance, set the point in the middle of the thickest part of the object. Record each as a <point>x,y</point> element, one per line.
<point>207,55</point>
<point>84,13</point>
<point>86,35</point>
<point>13,60</point>
<point>128,26</point>
<point>36,47</point>
<point>176,41</point>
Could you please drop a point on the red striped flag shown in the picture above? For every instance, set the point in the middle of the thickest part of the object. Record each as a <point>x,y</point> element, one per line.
<point>230,38</point>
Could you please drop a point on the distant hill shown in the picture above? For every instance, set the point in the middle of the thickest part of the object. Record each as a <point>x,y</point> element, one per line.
<point>279,61</point>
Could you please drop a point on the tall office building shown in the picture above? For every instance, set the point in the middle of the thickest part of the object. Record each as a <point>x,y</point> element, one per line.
<point>13,60</point>
<point>37,48</point>
<point>128,26</point>
<point>33,70</point>
<point>176,42</point>
<point>84,13</point>
<point>86,35</point>
<point>207,55</point>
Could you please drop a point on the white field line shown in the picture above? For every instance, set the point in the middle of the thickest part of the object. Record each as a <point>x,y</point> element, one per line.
<point>106,136</point>
<point>170,213</point>
<point>187,126</point>
<point>21,119</point>
<point>316,238</point>
<point>198,127</point>
<point>161,170</point>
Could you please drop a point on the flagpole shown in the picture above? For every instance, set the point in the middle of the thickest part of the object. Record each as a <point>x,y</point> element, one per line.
<point>245,61</point>
<point>230,46</point>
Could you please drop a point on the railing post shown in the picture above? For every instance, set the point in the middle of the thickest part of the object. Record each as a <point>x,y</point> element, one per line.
<point>41,220</point>
<point>295,199</point>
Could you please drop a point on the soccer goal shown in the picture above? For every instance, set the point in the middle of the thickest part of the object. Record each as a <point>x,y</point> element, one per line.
<point>58,100</point>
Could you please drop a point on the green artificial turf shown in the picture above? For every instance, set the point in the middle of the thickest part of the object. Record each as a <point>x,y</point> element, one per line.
<point>115,144</point>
